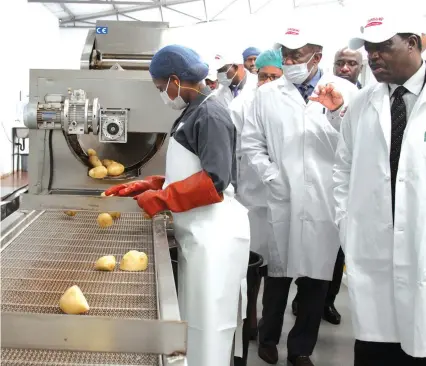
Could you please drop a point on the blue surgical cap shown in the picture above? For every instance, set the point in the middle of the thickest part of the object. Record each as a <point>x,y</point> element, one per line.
<point>177,60</point>
<point>251,51</point>
<point>269,58</point>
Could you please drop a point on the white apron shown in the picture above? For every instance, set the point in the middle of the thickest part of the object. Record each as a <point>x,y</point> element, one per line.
<point>213,256</point>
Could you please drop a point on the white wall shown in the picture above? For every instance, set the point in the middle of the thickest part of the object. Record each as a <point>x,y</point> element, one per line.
<point>71,43</point>
<point>29,39</point>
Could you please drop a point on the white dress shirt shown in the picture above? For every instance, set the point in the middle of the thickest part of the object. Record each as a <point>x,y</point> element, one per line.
<point>414,85</point>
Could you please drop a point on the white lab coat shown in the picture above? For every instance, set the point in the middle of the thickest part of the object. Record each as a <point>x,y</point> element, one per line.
<point>291,145</point>
<point>386,266</point>
<point>251,190</point>
<point>224,94</point>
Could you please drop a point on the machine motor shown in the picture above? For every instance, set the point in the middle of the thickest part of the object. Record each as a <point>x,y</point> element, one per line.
<point>78,115</point>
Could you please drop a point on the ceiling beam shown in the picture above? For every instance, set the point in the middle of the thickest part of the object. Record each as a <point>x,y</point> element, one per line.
<point>224,9</point>
<point>123,11</point>
<point>93,2</point>
<point>185,14</point>
<point>205,11</point>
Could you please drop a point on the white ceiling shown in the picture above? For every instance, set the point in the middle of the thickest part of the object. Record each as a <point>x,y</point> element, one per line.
<point>85,13</point>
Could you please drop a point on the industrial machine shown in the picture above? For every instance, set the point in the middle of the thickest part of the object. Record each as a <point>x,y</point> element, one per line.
<point>109,105</point>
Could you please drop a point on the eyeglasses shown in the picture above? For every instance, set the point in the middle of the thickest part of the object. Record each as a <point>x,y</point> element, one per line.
<point>263,77</point>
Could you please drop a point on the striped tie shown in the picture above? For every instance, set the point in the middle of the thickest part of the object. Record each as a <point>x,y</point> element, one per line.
<point>305,91</point>
<point>399,122</point>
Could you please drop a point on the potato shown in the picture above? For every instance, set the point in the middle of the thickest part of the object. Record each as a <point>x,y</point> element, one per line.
<point>115,169</point>
<point>105,220</point>
<point>134,261</point>
<point>115,214</point>
<point>91,152</point>
<point>106,263</point>
<point>98,173</point>
<point>107,162</point>
<point>73,301</point>
<point>70,213</point>
<point>94,161</point>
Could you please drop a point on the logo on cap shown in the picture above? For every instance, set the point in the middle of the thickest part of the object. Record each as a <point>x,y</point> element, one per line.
<point>374,22</point>
<point>293,31</point>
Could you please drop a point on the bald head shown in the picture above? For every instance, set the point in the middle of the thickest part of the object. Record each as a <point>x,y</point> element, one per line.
<point>423,42</point>
<point>348,64</point>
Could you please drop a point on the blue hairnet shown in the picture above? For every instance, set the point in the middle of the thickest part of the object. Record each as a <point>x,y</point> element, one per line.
<point>251,51</point>
<point>177,60</point>
<point>269,58</point>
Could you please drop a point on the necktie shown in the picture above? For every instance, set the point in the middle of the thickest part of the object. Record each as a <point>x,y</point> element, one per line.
<point>304,90</point>
<point>399,122</point>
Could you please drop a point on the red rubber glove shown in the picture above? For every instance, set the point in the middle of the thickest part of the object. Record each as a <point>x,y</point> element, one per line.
<point>154,182</point>
<point>195,191</point>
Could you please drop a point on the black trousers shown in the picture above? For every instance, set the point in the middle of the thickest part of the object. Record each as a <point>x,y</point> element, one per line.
<point>303,336</point>
<point>383,354</point>
<point>335,283</point>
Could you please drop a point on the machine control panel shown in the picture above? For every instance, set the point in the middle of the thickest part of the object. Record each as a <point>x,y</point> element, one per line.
<point>113,125</point>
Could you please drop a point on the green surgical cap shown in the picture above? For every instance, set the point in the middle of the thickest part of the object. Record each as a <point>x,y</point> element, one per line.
<point>269,58</point>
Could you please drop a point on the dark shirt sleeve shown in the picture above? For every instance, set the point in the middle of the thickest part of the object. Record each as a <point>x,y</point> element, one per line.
<point>216,147</point>
<point>211,136</point>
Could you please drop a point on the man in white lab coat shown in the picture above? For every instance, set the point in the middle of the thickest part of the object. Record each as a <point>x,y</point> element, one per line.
<point>232,78</point>
<point>291,144</point>
<point>380,189</point>
<point>252,192</point>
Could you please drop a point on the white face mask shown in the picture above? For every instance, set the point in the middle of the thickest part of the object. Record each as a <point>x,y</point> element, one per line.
<point>222,78</point>
<point>297,74</point>
<point>178,103</point>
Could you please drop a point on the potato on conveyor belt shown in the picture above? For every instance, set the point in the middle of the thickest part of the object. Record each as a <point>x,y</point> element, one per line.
<point>98,173</point>
<point>73,301</point>
<point>115,215</point>
<point>106,263</point>
<point>107,162</point>
<point>134,261</point>
<point>105,220</point>
<point>70,213</point>
<point>115,169</point>
<point>91,152</point>
<point>94,161</point>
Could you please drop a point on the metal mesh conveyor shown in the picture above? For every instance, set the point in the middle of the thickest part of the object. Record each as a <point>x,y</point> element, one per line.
<point>56,251</point>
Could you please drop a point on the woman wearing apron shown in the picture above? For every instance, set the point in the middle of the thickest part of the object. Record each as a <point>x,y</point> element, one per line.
<point>211,227</point>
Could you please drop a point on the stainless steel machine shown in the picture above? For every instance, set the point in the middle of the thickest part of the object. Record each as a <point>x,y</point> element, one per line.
<point>110,105</point>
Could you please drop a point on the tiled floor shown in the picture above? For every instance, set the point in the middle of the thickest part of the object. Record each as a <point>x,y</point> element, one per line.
<point>13,182</point>
<point>335,343</point>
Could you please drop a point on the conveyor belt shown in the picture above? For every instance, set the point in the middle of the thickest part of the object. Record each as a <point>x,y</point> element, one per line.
<point>55,252</point>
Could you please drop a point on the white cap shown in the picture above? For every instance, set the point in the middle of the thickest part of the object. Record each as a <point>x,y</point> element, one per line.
<point>297,37</point>
<point>220,60</point>
<point>212,75</point>
<point>381,28</point>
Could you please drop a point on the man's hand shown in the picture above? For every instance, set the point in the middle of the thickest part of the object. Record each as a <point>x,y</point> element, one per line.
<point>328,96</point>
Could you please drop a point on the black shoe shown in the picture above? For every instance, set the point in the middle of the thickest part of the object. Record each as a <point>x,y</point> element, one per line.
<point>300,361</point>
<point>332,315</point>
<point>269,354</point>
<point>294,307</point>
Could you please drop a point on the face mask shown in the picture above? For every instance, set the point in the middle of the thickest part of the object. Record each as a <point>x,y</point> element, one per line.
<point>297,74</point>
<point>222,78</point>
<point>178,103</point>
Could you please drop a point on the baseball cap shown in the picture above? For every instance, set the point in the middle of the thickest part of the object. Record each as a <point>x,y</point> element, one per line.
<point>297,37</point>
<point>220,60</point>
<point>381,28</point>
